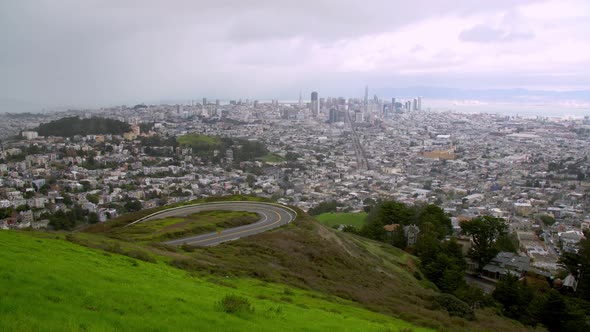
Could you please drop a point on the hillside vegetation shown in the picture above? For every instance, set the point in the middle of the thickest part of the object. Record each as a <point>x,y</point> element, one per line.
<point>177,227</point>
<point>49,284</point>
<point>356,219</point>
<point>313,257</point>
<point>68,127</point>
<point>302,276</point>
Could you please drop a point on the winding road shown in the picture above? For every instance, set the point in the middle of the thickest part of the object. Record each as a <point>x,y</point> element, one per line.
<point>271,216</point>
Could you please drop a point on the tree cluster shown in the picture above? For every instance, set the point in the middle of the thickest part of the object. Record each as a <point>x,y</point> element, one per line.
<point>68,220</point>
<point>324,207</point>
<point>72,126</point>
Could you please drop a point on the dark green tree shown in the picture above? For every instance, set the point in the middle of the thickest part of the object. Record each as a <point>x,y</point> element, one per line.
<point>484,231</point>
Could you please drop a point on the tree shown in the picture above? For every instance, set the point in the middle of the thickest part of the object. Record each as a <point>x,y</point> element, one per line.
<point>93,218</point>
<point>323,207</point>
<point>399,239</point>
<point>439,220</point>
<point>67,200</point>
<point>553,311</point>
<point>443,264</point>
<point>513,296</point>
<point>92,198</point>
<point>507,243</point>
<point>291,156</point>
<point>133,205</point>
<point>250,179</point>
<point>484,231</point>
<point>547,219</point>
<point>385,213</point>
<point>579,266</point>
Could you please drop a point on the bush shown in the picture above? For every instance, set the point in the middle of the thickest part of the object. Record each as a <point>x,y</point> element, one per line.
<point>235,304</point>
<point>453,306</point>
<point>141,255</point>
<point>187,264</point>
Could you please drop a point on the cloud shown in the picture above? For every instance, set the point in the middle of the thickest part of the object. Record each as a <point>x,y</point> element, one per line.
<point>92,53</point>
<point>484,34</point>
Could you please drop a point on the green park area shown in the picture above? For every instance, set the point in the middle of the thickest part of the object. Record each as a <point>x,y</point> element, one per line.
<point>356,219</point>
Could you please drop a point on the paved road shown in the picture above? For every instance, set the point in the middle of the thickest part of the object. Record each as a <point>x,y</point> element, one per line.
<point>271,216</point>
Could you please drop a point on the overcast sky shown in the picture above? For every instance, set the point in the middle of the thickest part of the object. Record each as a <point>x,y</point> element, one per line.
<point>92,53</point>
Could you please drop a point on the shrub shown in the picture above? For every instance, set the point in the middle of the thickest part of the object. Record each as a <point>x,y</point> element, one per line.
<point>235,304</point>
<point>187,264</point>
<point>187,247</point>
<point>141,255</point>
<point>453,306</point>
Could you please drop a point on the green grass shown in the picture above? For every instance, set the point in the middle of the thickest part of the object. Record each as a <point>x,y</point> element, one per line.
<point>52,285</point>
<point>127,218</point>
<point>302,265</point>
<point>272,158</point>
<point>331,219</point>
<point>199,141</point>
<point>177,227</point>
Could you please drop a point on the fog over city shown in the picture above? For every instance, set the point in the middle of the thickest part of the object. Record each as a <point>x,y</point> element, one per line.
<point>95,53</point>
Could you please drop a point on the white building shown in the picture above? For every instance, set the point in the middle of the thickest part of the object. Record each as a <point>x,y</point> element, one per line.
<point>29,135</point>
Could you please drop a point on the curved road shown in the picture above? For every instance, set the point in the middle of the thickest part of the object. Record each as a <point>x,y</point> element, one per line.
<point>271,216</point>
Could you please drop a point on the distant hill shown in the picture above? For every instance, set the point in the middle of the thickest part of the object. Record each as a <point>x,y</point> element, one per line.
<point>68,127</point>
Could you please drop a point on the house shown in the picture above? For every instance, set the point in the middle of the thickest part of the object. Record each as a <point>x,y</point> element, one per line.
<point>506,263</point>
<point>411,232</point>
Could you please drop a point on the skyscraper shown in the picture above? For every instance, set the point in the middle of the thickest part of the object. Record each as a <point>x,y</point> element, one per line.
<point>366,98</point>
<point>315,104</point>
<point>419,104</point>
<point>333,116</point>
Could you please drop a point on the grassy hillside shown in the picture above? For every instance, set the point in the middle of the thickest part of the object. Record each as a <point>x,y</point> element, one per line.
<point>313,257</point>
<point>49,284</point>
<point>331,219</point>
<point>301,276</point>
<point>177,227</point>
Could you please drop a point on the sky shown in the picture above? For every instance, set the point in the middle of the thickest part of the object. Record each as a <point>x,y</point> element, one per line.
<point>94,53</point>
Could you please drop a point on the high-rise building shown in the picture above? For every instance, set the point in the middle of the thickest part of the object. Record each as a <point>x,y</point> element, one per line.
<point>333,117</point>
<point>415,104</point>
<point>419,104</point>
<point>366,101</point>
<point>300,100</point>
<point>204,101</point>
<point>315,104</point>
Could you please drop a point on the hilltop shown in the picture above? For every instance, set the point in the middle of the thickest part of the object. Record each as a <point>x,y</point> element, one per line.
<point>72,126</point>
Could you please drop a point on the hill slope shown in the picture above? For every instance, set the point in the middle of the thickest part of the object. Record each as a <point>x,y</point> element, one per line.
<point>311,256</point>
<point>51,284</point>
